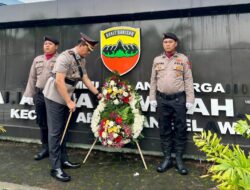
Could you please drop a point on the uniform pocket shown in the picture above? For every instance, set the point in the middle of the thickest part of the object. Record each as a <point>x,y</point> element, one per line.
<point>178,70</point>
<point>159,68</point>
<point>75,72</point>
<point>39,68</point>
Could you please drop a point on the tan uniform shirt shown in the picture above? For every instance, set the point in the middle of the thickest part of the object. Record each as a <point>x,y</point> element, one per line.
<point>40,71</point>
<point>66,64</point>
<point>172,75</point>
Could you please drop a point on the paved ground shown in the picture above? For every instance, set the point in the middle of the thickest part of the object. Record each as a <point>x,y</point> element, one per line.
<point>13,186</point>
<point>102,171</point>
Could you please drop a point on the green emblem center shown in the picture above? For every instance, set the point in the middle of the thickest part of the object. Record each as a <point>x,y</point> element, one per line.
<point>120,50</point>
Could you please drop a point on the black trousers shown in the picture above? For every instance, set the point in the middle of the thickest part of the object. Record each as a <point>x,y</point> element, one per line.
<point>41,116</point>
<point>171,110</point>
<point>57,115</point>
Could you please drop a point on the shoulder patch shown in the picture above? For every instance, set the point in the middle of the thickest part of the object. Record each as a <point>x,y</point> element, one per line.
<point>189,64</point>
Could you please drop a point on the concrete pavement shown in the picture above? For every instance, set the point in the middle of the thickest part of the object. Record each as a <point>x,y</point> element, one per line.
<point>102,171</point>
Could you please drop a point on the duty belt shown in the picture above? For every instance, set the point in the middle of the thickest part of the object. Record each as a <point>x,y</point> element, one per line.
<point>38,90</point>
<point>170,96</point>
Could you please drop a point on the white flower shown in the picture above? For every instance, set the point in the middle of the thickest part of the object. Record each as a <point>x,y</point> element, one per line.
<point>137,125</point>
<point>135,111</point>
<point>111,123</point>
<point>126,141</point>
<point>116,102</point>
<point>115,135</point>
<point>104,135</point>
<point>96,117</point>
<point>125,94</point>
<point>110,142</point>
<point>96,134</point>
<point>112,83</point>
<point>104,92</point>
<point>115,89</point>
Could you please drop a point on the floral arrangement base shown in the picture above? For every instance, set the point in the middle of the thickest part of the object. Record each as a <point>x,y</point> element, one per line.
<point>137,144</point>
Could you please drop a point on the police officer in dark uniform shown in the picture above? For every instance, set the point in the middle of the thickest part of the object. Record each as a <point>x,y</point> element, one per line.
<point>171,91</point>
<point>69,69</point>
<point>40,71</point>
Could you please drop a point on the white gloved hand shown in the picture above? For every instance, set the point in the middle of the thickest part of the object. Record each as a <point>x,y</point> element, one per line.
<point>153,103</point>
<point>29,100</point>
<point>189,105</point>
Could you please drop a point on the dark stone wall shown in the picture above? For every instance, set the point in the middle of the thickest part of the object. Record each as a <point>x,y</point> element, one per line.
<point>217,44</point>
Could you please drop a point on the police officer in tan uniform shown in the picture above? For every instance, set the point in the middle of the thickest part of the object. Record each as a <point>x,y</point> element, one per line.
<point>40,71</point>
<point>69,69</point>
<point>171,91</point>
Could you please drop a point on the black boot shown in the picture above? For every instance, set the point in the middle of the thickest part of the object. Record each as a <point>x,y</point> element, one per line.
<point>70,165</point>
<point>43,153</point>
<point>179,165</point>
<point>165,165</point>
<point>60,175</point>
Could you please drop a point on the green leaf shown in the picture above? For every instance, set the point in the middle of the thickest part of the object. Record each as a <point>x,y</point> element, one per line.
<point>248,117</point>
<point>232,167</point>
<point>242,127</point>
<point>2,130</point>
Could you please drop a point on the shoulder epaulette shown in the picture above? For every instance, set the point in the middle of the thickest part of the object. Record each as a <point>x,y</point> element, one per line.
<point>161,55</point>
<point>70,52</point>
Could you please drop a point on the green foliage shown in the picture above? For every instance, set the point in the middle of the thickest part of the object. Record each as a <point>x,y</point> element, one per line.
<point>127,115</point>
<point>243,127</point>
<point>231,169</point>
<point>120,53</point>
<point>2,130</point>
<point>138,100</point>
<point>120,50</point>
<point>124,110</point>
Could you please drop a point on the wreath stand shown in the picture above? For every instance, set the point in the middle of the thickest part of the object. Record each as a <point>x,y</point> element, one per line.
<point>139,149</point>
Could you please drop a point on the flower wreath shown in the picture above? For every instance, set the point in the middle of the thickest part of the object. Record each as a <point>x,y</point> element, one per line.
<point>117,120</point>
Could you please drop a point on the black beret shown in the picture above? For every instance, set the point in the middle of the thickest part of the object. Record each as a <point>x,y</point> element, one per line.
<point>170,35</point>
<point>51,39</point>
<point>89,41</point>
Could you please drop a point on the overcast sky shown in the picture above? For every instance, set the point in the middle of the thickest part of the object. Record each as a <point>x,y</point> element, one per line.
<point>32,1</point>
<point>13,2</point>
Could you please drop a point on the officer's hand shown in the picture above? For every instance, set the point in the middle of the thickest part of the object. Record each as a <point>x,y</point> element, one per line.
<point>153,103</point>
<point>189,105</point>
<point>28,100</point>
<point>99,96</point>
<point>72,106</point>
